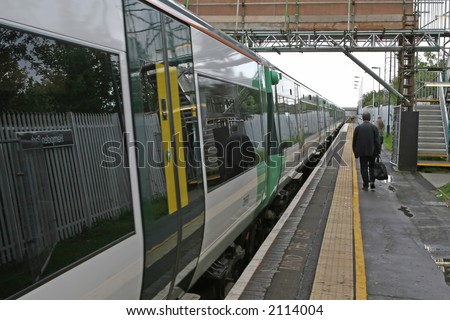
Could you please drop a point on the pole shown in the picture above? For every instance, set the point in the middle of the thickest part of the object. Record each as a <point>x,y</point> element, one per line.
<point>379,98</point>
<point>388,127</point>
<point>348,16</point>
<point>373,99</point>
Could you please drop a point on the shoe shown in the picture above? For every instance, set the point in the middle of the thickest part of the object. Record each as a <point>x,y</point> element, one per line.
<point>365,189</point>
<point>372,186</point>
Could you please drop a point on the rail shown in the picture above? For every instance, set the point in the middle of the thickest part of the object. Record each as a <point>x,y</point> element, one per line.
<point>444,112</point>
<point>433,14</point>
<point>425,93</point>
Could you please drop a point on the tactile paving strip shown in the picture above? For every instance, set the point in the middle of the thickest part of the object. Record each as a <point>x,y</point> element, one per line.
<point>335,274</point>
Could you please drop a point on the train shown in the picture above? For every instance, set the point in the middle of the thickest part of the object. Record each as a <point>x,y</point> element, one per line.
<point>141,149</point>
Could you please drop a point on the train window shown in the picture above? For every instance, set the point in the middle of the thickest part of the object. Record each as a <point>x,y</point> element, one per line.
<point>232,120</point>
<point>309,110</point>
<point>288,117</point>
<point>65,189</point>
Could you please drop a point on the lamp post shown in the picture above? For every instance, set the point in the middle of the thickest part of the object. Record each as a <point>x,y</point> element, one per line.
<point>360,84</point>
<point>373,99</point>
<point>388,126</point>
<point>379,75</point>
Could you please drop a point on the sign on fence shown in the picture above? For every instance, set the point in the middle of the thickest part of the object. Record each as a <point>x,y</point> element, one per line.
<point>48,139</point>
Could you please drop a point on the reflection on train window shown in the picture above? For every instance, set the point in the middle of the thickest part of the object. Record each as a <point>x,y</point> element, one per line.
<point>65,191</point>
<point>321,113</point>
<point>309,110</point>
<point>232,121</point>
<point>288,117</point>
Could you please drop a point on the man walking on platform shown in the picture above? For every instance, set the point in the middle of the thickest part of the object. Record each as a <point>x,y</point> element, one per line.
<point>366,146</point>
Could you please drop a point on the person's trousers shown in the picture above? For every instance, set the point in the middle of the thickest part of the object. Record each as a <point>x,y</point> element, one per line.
<point>366,167</point>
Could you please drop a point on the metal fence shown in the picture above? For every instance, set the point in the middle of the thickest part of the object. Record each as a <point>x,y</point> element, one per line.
<point>433,14</point>
<point>53,181</point>
<point>396,135</point>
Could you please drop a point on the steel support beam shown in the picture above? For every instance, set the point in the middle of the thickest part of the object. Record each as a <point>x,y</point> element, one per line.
<point>374,75</point>
<point>354,41</point>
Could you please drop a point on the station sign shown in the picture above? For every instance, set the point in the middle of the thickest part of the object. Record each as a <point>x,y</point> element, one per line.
<point>45,139</point>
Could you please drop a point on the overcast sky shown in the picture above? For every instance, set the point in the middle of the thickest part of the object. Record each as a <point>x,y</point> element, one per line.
<point>332,74</point>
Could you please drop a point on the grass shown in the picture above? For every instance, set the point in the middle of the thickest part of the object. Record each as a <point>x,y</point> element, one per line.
<point>92,239</point>
<point>443,193</point>
<point>387,142</point>
<point>445,190</point>
<point>17,276</point>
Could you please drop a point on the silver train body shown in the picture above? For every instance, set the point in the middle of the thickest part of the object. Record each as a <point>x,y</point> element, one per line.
<point>113,118</point>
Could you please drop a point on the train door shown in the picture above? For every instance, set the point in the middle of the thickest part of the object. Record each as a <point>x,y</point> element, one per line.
<point>274,160</point>
<point>167,141</point>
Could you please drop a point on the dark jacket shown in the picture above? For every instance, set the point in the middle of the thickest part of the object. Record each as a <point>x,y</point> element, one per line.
<point>239,152</point>
<point>366,140</point>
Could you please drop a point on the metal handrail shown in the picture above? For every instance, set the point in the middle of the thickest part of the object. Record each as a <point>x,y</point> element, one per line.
<point>433,14</point>
<point>422,91</point>
<point>444,112</point>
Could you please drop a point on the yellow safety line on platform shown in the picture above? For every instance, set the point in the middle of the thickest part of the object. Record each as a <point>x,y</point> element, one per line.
<point>360,267</point>
<point>334,277</point>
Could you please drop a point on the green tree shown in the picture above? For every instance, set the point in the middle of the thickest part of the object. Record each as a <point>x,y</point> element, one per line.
<point>13,77</point>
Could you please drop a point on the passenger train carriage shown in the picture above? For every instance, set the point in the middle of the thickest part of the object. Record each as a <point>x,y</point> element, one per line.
<point>115,172</point>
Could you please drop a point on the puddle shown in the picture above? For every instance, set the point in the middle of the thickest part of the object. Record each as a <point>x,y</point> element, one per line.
<point>435,203</point>
<point>389,180</point>
<point>443,199</point>
<point>406,211</point>
<point>442,263</point>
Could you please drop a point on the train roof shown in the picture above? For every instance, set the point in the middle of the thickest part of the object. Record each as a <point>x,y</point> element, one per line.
<point>177,10</point>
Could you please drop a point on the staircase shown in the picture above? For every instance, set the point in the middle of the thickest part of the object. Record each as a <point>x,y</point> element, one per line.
<point>431,138</point>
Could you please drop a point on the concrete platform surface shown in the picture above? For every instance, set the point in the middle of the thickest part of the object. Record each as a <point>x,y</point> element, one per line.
<point>406,236</point>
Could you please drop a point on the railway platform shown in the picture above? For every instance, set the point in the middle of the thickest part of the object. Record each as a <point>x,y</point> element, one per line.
<point>336,241</point>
